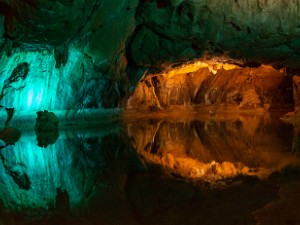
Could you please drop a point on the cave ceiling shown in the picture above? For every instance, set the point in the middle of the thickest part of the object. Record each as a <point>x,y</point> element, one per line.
<point>149,33</point>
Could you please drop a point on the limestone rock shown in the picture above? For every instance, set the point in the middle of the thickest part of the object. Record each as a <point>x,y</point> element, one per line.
<point>2,30</point>
<point>262,87</point>
<point>46,121</point>
<point>261,31</point>
<point>111,26</point>
<point>38,84</point>
<point>296,90</point>
<point>121,37</point>
<point>41,24</point>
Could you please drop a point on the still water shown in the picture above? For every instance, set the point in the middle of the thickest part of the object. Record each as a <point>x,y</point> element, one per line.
<point>223,170</point>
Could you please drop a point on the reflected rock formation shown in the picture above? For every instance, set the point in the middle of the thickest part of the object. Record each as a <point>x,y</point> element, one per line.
<point>218,148</point>
<point>9,136</point>
<point>9,114</point>
<point>36,182</point>
<point>45,138</point>
<point>46,128</point>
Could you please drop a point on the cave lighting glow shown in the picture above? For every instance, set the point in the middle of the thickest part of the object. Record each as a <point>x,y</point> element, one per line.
<point>45,86</point>
<point>29,99</point>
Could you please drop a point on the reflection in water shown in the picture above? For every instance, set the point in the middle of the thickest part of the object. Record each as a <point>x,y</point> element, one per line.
<point>45,138</point>
<point>9,136</point>
<point>94,176</point>
<point>216,148</point>
<point>60,176</point>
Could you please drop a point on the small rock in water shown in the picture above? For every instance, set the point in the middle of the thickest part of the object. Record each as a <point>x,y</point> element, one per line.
<point>46,121</point>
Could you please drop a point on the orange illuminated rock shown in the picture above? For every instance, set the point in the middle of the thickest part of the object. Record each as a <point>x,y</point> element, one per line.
<point>296,89</point>
<point>212,83</point>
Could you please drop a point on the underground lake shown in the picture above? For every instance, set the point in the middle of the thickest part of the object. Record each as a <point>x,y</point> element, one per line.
<point>232,169</point>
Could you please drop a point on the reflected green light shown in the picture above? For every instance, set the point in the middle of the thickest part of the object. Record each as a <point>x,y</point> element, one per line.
<point>31,176</point>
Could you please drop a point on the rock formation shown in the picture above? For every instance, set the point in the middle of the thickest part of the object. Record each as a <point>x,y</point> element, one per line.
<point>210,83</point>
<point>103,47</point>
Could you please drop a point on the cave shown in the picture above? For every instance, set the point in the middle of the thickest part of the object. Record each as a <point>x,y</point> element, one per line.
<point>144,112</point>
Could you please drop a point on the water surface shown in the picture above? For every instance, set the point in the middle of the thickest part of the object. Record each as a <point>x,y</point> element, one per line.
<point>218,170</point>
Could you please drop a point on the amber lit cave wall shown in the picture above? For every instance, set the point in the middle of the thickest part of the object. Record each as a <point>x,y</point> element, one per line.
<point>214,84</point>
<point>95,53</point>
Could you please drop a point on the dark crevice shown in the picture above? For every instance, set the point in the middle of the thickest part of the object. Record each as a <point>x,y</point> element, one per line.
<point>235,26</point>
<point>128,53</point>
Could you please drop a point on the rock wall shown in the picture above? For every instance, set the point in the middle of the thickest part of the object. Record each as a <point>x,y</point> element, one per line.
<point>260,31</point>
<point>31,82</point>
<point>2,30</point>
<point>296,88</point>
<point>99,27</point>
<point>214,84</point>
<point>123,38</point>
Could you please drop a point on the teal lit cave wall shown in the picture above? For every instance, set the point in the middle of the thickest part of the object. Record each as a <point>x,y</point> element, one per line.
<point>146,34</point>
<point>42,85</point>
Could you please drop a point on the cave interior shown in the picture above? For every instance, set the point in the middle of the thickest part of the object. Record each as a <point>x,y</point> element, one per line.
<point>141,112</point>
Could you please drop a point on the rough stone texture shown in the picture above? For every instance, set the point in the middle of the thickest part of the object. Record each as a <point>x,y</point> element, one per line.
<point>263,31</point>
<point>296,89</point>
<point>44,23</point>
<point>100,27</point>
<point>111,26</point>
<point>262,87</point>
<point>46,121</point>
<point>259,30</point>
<point>77,85</point>
<point>119,35</point>
<point>98,30</point>
<point>2,30</point>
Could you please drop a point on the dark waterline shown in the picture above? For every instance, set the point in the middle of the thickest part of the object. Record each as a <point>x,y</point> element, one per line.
<point>143,172</point>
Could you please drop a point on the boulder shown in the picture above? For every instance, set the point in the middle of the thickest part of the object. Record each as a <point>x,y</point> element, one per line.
<point>46,121</point>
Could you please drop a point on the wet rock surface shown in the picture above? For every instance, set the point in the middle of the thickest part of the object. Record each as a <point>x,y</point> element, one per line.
<point>46,121</point>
